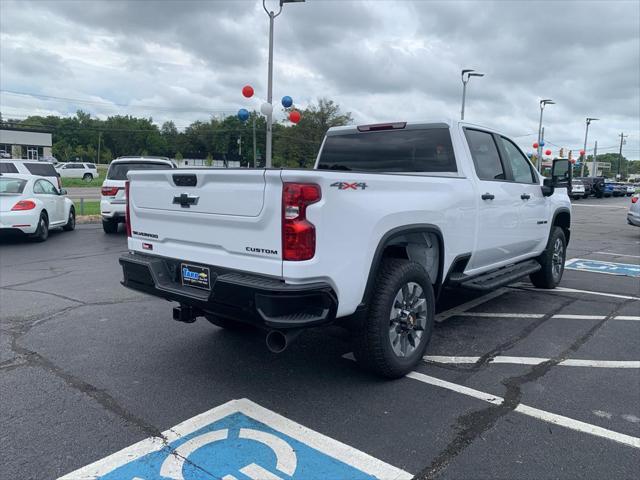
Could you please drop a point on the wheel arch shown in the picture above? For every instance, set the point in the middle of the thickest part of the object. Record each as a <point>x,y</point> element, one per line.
<point>395,243</point>
<point>562,219</point>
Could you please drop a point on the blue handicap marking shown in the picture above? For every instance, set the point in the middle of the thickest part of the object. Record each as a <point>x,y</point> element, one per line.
<point>598,266</point>
<point>239,440</point>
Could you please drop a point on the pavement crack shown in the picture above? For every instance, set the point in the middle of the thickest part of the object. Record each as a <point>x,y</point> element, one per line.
<point>472,425</point>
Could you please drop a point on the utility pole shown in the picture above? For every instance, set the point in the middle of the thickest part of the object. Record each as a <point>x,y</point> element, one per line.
<point>254,141</point>
<point>622,137</point>
<point>240,146</point>
<point>594,164</point>
<point>99,138</point>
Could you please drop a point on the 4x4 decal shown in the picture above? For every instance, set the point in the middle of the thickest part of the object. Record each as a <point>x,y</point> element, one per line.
<point>349,186</point>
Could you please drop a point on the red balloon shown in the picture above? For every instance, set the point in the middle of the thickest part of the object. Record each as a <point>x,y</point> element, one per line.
<point>547,152</point>
<point>573,160</point>
<point>581,152</point>
<point>535,145</point>
<point>247,91</point>
<point>295,116</point>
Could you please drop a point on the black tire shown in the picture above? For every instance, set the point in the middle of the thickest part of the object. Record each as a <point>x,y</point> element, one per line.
<point>42,232</point>
<point>110,226</point>
<point>71,221</point>
<point>374,348</point>
<point>87,177</point>
<point>227,323</point>
<point>552,261</point>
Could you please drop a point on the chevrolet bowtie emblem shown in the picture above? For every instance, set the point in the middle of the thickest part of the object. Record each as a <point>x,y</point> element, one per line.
<point>185,200</point>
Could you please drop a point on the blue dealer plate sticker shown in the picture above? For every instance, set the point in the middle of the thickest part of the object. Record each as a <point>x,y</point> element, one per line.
<point>236,441</point>
<point>195,276</point>
<point>597,266</point>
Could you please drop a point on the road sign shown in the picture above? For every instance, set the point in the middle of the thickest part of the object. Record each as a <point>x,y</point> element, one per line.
<point>238,440</point>
<point>604,165</point>
<point>597,266</point>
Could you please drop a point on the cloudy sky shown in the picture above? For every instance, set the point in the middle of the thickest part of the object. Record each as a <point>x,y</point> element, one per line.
<point>382,61</point>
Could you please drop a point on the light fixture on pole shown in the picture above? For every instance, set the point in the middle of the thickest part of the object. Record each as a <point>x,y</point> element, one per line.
<point>272,16</point>
<point>466,74</point>
<point>543,103</point>
<point>586,133</point>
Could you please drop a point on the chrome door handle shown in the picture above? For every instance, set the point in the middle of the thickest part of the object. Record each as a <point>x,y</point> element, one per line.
<point>488,196</point>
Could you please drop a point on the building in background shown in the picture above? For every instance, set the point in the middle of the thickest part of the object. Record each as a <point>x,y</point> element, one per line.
<point>27,144</point>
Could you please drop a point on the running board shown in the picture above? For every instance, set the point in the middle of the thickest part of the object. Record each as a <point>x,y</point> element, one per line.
<point>499,278</point>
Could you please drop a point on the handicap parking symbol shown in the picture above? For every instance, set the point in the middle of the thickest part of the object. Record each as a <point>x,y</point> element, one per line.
<point>239,440</point>
<point>597,266</point>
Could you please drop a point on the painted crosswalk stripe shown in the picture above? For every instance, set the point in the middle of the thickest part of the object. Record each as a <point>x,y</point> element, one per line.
<point>573,362</point>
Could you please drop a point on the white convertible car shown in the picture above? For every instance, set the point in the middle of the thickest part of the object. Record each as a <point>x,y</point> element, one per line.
<point>33,205</point>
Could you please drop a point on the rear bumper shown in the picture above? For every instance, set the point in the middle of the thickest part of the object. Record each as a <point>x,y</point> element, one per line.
<point>112,211</point>
<point>249,298</point>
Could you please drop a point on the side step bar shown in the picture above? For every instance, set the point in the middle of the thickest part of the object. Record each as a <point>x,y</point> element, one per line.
<point>497,278</point>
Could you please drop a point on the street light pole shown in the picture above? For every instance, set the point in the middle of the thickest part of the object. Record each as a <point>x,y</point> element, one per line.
<point>622,137</point>
<point>543,103</point>
<point>583,160</point>
<point>272,17</point>
<point>468,74</point>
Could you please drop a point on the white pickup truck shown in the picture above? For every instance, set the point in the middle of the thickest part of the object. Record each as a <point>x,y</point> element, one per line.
<point>390,215</point>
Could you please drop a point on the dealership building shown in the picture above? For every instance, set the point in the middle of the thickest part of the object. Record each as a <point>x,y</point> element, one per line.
<point>27,144</point>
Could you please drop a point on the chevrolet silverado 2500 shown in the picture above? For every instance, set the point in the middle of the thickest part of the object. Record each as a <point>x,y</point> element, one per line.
<point>390,214</point>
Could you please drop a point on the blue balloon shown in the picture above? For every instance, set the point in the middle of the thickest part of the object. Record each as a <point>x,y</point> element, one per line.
<point>243,114</point>
<point>542,144</point>
<point>287,101</point>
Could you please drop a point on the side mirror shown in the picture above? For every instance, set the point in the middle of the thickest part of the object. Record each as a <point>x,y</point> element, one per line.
<point>63,191</point>
<point>561,173</point>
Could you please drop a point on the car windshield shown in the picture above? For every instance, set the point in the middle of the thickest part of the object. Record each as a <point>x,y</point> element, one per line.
<point>12,186</point>
<point>118,171</point>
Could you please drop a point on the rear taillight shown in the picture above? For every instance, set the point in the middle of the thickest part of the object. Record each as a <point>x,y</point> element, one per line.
<point>109,191</point>
<point>24,205</point>
<point>634,199</point>
<point>298,234</point>
<point>127,214</point>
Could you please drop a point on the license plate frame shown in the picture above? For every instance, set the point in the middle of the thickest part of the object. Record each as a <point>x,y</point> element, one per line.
<point>197,276</point>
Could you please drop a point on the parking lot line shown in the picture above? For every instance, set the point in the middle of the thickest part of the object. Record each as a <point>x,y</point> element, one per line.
<point>531,411</point>
<point>524,286</point>
<point>617,254</point>
<point>560,316</point>
<point>536,361</point>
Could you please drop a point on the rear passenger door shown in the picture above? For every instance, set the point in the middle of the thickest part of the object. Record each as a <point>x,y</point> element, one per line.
<point>533,205</point>
<point>499,236</point>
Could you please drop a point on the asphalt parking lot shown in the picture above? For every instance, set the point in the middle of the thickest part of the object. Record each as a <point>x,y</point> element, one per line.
<point>521,383</point>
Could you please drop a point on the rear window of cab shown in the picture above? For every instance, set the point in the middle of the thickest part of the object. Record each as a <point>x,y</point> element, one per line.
<point>410,151</point>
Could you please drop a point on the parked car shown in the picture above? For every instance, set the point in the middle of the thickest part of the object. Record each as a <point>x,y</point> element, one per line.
<point>85,171</point>
<point>608,189</point>
<point>113,197</point>
<point>593,186</point>
<point>577,189</point>
<point>633,215</point>
<point>368,239</point>
<point>31,167</point>
<point>631,189</point>
<point>32,205</point>
<point>587,183</point>
<point>619,190</point>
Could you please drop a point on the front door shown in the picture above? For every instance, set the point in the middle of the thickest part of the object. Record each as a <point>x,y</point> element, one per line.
<point>53,201</point>
<point>533,205</point>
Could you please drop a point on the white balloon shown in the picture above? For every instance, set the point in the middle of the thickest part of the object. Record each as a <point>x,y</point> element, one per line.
<point>266,108</point>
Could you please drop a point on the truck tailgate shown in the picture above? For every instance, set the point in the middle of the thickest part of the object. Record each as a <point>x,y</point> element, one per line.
<point>226,218</point>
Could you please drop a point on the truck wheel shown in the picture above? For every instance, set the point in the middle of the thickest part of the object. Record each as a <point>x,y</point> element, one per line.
<point>552,261</point>
<point>226,323</point>
<point>398,327</point>
<point>109,226</point>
